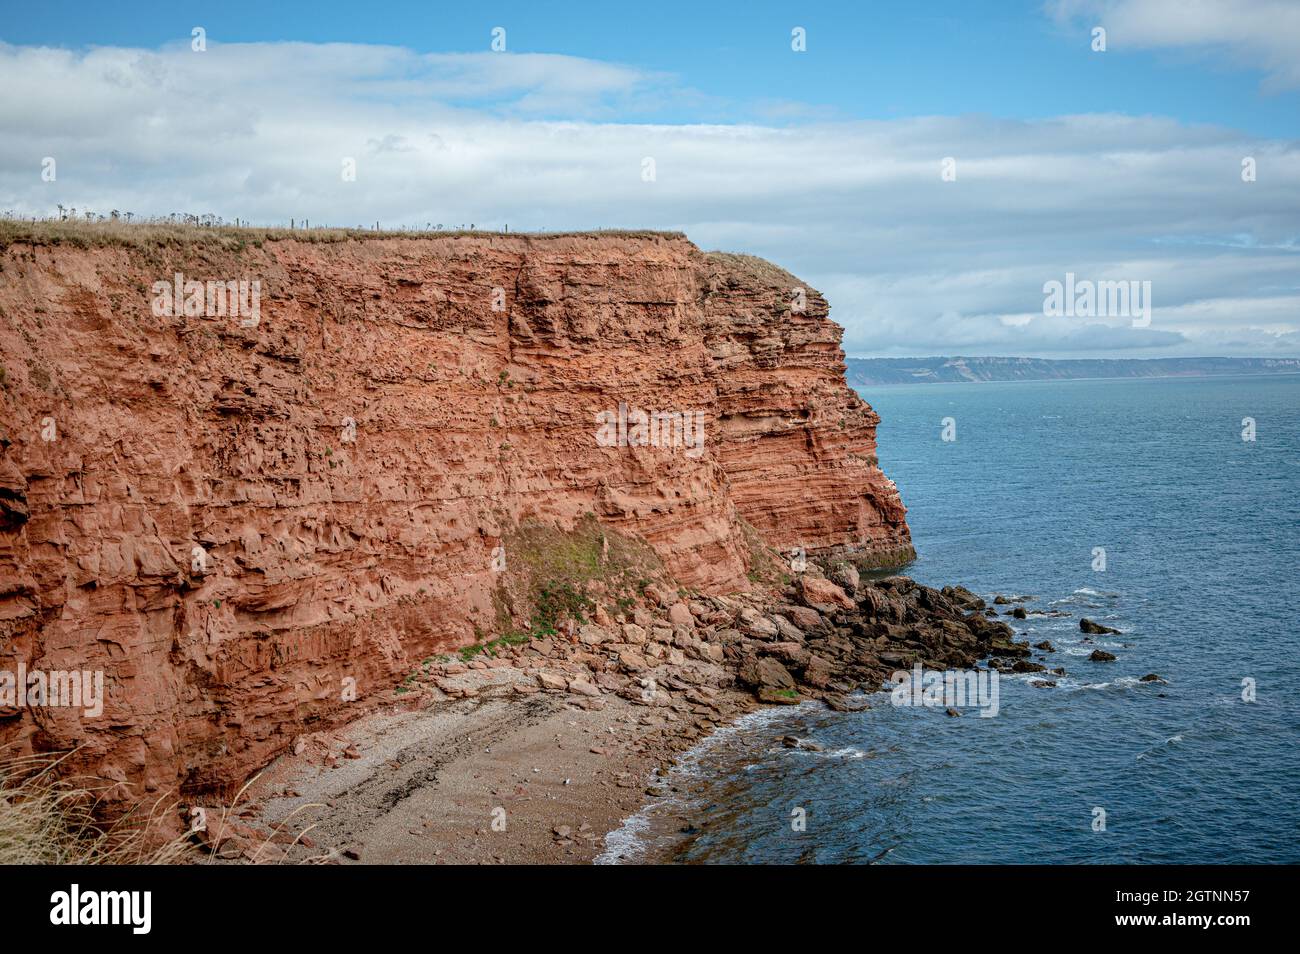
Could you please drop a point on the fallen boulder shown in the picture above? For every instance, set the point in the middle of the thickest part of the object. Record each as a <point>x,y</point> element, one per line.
<point>764,671</point>
<point>778,697</point>
<point>823,595</point>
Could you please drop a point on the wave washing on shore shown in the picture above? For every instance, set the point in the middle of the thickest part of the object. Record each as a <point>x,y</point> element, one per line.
<point>1200,533</point>
<point>643,834</point>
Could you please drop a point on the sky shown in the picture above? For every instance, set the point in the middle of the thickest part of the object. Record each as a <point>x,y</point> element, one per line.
<point>930,167</point>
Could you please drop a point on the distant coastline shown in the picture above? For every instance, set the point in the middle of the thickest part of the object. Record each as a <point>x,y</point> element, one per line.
<point>866,372</point>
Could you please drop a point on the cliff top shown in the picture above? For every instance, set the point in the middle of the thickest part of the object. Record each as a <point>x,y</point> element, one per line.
<point>152,234</point>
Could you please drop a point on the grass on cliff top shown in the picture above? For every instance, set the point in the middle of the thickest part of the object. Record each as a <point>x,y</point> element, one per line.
<point>153,234</point>
<point>49,820</point>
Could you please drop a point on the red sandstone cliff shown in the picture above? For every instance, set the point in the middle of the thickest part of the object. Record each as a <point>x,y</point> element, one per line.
<point>325,556</point>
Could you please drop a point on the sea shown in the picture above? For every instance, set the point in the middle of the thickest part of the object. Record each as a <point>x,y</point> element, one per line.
<point>1166,508</point>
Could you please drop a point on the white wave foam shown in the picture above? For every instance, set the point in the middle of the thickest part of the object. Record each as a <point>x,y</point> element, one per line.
<point>1123,682</point>
<point>1088,597</point>
<point>1172,740</point>
<point>845,753</point>
<point>629,841</point>
<point>626,842</point>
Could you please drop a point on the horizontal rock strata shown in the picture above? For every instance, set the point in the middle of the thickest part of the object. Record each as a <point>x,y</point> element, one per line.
<point>251,523</point>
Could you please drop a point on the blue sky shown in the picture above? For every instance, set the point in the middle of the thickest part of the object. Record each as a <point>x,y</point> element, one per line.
<point>866,60</point>
<point>1115,165</point>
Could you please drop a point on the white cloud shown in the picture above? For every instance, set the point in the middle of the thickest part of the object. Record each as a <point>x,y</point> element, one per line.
<point>911,264</point>
<point>1258,34</point>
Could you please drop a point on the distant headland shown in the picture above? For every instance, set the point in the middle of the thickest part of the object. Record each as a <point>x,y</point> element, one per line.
<point>864,372</point>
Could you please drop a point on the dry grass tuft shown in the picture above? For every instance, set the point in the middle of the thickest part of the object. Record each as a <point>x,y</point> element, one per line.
<point>46,819</point>
<point>49,820</point>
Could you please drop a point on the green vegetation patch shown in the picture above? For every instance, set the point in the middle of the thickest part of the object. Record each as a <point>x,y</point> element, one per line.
<point>558,576</point>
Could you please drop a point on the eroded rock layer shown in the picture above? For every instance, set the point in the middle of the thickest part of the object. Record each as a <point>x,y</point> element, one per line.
<point>235,520</point>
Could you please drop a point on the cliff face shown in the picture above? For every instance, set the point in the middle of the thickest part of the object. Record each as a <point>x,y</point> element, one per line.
<point>232,518</point>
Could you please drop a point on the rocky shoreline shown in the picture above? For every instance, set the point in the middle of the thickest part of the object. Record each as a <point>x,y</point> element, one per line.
<point>825,636</point>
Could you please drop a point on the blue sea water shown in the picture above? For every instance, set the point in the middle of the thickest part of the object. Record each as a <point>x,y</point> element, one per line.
<point>1201,531</point>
